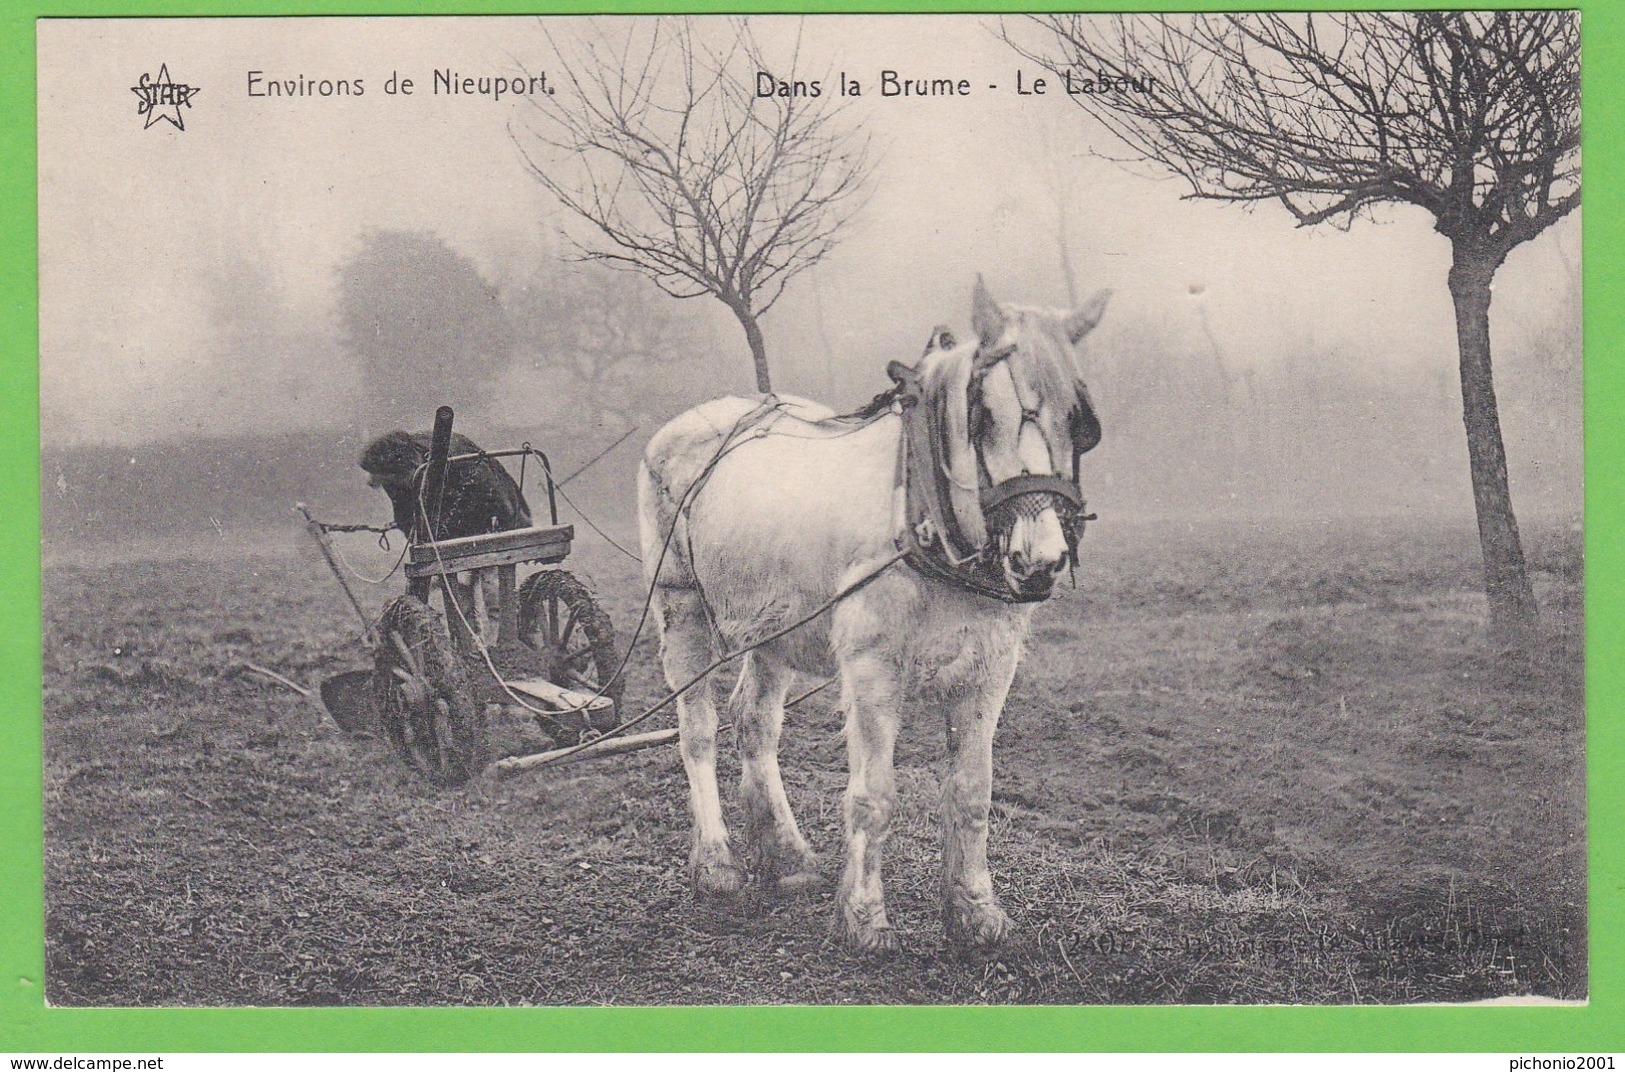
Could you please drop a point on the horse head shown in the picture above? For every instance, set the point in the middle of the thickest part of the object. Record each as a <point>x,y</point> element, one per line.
<point>1028,420</point>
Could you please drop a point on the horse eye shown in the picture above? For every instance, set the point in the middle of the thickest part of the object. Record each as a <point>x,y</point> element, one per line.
<point>946,340</point>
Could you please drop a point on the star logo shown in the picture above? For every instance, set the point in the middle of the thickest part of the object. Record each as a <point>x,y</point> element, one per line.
<point>159,98</point>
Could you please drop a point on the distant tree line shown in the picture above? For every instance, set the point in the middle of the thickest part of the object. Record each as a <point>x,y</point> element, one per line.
<point>428,328</point>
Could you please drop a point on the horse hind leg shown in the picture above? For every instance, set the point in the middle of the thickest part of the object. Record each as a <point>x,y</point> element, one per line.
<point>686,649</point>
<point>779,854</point>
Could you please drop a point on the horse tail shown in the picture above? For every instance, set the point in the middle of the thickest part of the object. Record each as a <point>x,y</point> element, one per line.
<point>664,550</point>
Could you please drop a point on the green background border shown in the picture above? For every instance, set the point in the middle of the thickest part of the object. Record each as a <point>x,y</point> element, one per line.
<point>26,1025</point>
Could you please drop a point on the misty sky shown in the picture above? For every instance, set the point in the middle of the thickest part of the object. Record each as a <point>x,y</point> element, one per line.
<point>149,236</point>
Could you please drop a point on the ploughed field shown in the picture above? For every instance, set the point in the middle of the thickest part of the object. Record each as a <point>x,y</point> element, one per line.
<point>1242,762</point>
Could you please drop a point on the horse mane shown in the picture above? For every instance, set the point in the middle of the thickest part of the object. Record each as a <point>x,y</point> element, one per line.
<point>945,383</point>
<point>1049,366</point>
<point>877,405</point>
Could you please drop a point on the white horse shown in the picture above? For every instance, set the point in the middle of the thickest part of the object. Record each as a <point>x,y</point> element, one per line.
<point>755,513</point>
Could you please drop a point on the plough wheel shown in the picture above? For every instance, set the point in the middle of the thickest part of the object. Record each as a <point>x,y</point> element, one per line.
<point>574,643</point>
<point>425,704</point>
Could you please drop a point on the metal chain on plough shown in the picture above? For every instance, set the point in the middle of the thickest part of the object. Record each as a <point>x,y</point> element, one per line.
<point>383,532</point>
<point>383,545</point>
<point>729,445</point>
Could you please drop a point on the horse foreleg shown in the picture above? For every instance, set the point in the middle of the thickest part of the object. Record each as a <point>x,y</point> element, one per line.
<point>871,694</point>
<point>971,913</point>
<point>779,852</point>
<point>685,650</point>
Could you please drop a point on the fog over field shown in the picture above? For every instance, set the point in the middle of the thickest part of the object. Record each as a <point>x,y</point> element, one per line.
<point>1290,730</point>
<point>196,286</point>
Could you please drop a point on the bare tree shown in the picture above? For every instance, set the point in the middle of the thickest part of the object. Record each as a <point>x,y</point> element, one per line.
<point>1061,177</point>
<point>686,173</point>
<point>426,326</point>
<point>1472,116</point>
<point>630,354</point>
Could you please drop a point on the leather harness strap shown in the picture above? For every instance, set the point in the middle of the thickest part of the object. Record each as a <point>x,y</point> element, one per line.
<point>936,545</point>
<point>993,497</point>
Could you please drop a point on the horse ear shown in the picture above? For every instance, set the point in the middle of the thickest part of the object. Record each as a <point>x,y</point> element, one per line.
<point>986,316</point>
<point>1083,321</point>
<point>1085,424</point>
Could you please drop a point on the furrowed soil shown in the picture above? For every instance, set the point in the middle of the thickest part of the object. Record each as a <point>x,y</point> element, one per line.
<point>1242,762</point>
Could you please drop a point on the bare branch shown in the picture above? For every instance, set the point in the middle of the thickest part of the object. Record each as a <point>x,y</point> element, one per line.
<point>662,146</point>
<point>1473,116</point>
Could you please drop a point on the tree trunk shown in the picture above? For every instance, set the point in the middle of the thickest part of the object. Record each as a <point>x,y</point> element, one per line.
<point>1506,581</point>
<point>758,348</point>
<point>1063,243</point>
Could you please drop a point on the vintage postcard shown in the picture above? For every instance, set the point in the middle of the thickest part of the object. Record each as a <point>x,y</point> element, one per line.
<point>846,509</point>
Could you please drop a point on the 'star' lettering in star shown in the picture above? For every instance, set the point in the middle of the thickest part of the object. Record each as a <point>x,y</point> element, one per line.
<point>160,98</point>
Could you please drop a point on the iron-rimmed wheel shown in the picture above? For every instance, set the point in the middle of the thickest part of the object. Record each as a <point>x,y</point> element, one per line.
<point>573,640</point>
<point>425,704</point>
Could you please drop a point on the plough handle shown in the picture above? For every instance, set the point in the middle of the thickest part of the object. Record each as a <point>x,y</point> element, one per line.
<point>434,481</point>
<point>325,542</point>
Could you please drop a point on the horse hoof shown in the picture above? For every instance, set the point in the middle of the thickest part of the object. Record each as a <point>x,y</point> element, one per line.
<point>717,878</point>
<point>803,881</point>
<point>982,926</point>
<point>880,941</point>
<point>866,931</point>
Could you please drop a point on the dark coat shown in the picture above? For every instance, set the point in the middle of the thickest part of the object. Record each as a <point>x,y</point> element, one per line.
<point>478,497</point>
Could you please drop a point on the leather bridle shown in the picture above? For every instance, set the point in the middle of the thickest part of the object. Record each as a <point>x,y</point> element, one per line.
<point>1026,493</point>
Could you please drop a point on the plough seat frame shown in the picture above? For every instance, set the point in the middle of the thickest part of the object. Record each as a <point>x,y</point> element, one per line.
<point>545,544</point>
